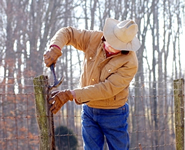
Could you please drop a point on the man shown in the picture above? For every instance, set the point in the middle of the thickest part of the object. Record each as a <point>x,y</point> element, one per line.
<point>110,64</point>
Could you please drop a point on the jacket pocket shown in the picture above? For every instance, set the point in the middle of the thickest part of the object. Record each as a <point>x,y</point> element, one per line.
<point>122,95</point>
<point>108,70</point>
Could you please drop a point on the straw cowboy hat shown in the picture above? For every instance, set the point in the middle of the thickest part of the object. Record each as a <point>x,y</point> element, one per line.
<point>121,35</point>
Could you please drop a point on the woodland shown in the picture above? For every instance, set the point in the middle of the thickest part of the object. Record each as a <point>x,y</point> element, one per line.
<point>26,27</point>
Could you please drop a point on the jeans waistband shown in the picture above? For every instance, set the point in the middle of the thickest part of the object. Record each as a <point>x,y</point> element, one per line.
<point>124,108</point>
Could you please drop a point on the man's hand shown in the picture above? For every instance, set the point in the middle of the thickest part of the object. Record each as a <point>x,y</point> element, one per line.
<point>58,99</point>
<point>51,56</point>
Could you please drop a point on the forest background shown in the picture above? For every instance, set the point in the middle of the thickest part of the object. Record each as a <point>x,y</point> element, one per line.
<point>26,27</point>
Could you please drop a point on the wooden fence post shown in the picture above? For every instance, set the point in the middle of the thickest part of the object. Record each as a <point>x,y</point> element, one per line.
<point>179,113</point>
<point>43,115</point>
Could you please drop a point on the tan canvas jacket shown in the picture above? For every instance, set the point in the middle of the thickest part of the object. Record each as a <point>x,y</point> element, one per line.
<point>105,81</point>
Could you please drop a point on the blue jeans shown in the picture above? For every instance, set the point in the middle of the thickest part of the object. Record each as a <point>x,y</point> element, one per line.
<point>111,123</point>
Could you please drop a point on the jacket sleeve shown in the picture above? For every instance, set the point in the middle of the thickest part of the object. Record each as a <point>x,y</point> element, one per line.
<point>71,36</point>
<point>115,83</point>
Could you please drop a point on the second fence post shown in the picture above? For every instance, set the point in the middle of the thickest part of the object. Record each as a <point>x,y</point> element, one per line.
<point>179,113</point>
<point>43,115</point>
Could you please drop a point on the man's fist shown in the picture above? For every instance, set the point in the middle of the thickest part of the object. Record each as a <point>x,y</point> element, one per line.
<point>51,56</point>
<point>58,99</point>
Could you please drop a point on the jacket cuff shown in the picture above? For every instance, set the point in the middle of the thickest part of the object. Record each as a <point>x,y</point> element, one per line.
<point>79,96</point>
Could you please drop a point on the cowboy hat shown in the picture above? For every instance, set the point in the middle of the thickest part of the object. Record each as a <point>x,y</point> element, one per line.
<point>121,35</point>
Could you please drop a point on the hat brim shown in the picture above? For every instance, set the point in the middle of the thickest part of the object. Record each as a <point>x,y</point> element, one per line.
<point>108,32</point>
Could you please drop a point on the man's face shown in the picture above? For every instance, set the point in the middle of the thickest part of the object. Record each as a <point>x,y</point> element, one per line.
<point>109,48</point>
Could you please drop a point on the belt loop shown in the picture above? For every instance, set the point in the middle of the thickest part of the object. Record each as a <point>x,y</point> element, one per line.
<point>123,108</point>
